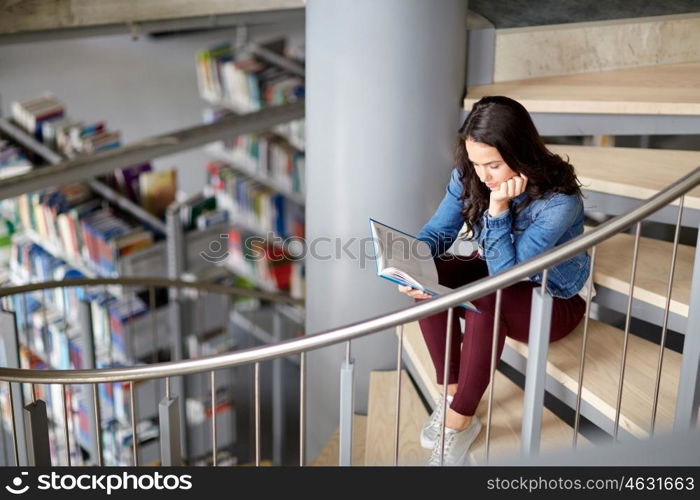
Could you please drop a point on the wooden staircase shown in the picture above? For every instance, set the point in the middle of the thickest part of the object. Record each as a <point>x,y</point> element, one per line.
<point>614,265</point>
<point>616,180</point>
<point>671,89</point>
<point>507,412</point>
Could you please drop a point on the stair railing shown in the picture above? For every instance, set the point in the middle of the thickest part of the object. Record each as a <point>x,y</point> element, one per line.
<point>688,391</point>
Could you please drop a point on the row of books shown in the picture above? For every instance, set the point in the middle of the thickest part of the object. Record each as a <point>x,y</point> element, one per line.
<point>265,262</point>
<point>31,114</point>
<point>82,227</point>
<point>201,212</point>
<point>255,205</point>
<point>50,316</point>
<point>244,81</point>
<point>45,118</point>
<point>269,157</point>
<point>111,323</point>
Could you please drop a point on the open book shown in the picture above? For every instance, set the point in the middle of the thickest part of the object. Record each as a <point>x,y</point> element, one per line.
<point>406,260</point>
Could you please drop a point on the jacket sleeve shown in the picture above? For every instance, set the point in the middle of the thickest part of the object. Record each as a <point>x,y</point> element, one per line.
<point>499,249</point>
<point>442,228</point>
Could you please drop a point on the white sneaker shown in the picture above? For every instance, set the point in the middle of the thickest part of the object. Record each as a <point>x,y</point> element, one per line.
<point>457,445</point>
<point>431,428</point>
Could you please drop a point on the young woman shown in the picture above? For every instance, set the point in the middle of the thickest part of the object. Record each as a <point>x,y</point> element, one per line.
<point>518,200</point>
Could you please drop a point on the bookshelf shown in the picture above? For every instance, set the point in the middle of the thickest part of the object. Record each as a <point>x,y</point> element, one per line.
<point>259,179</point>
<point>124,325</point>
<point>147,261</point>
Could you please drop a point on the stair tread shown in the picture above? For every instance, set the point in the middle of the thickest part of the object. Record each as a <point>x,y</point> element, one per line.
<point>328,457</point>
<point>669,89</point>
<point>614,264</point>
<point>507,411</point>
<point>607,170</point>
<point>381,424</point>
<point>602,370</point>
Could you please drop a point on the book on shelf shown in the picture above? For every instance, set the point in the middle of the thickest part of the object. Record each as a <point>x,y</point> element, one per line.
<point>32,113</point>
<point>264,208</point>
<point>406,260</point>
<point>244,81</point>
<point>158,190</point>
<point>267,158</point>
<point>78,226</point>
<point>126,181</point>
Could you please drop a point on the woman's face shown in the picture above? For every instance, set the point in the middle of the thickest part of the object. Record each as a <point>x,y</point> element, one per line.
<point>488,164</point>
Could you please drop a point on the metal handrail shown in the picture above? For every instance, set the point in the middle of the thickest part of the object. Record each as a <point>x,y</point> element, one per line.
<point>151,282</point>
<point>359,329</point>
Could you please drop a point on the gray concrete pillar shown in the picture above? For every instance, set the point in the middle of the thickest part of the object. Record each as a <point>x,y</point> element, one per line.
<point>384,81</point>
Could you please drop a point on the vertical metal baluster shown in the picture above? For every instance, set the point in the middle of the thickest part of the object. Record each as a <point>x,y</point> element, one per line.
<point>27,324</point>
<point>14,424</point>
<point>64,295</point>
<point>664,330</point>
<point>96,407</point>
<point>198,314</point>
<point>154,333</point>
<point>346,408</point>
<point>154,322</point>
<point>167,387</point>
<point>45,312</point>
<point>536,369</point>
<point>584,346</point>
<point>33,393</point>
<point>65,424</point>
<point>398,395</point>
<point>492,377</point>
<point>445,382</point>
<point>213,417</point>
<point>257,414</point>
<point>302,413</point>
<point>545,276</point>
<point>131,336</point>
<point>628,320</point>
<point>688,394</point>
<point>134,440</point>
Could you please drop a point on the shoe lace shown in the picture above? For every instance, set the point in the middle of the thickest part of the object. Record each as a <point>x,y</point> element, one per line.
<point>435,456</point>
<point>437,414</point>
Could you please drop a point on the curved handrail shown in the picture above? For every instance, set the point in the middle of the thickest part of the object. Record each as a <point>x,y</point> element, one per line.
<point>372,325</point>
<point>151,282</point>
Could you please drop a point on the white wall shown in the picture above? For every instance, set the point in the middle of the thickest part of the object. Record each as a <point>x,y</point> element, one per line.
<point>143,88</point>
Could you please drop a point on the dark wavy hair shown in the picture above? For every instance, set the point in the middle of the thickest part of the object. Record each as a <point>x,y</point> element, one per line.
<point>506,125</point>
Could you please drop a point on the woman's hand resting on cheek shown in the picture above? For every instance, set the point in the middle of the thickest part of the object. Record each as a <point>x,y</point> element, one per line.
<point>508,190</point>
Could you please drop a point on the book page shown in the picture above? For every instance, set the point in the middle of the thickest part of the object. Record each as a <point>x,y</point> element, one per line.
<point>404,252</point>
<point>403,257</point>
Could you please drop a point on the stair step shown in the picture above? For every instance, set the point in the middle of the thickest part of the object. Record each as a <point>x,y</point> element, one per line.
<point>328,457</point>
<point>669,89</point>
<point>607,170</point>
<point>507,411</point>
<point>381,424</point>
<point>614,264</point>
<point>602,370</point>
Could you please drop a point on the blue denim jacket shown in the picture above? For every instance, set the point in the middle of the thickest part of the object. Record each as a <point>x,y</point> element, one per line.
<point>543,224</point>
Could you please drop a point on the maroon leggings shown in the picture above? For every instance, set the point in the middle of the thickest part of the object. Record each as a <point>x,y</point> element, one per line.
<point>471,369</point>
